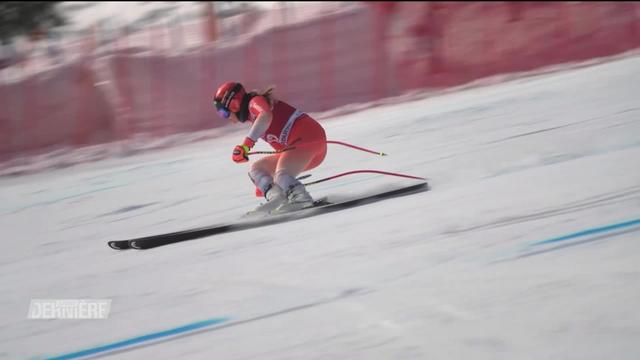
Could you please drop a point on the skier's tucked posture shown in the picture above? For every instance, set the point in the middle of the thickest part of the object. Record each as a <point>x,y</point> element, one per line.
<point>281,125</point>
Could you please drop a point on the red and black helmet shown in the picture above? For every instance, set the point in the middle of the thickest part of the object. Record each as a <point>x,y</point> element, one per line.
<point>228,98</point>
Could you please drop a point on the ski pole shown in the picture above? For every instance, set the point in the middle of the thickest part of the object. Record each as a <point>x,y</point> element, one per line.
<point>356,147</point>
<point>364,171</point>
<point>326,142</point>
<point>271,152</point>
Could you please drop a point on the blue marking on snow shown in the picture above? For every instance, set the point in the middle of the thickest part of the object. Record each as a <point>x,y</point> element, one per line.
<point>591,231</point>
<point>140,339</point>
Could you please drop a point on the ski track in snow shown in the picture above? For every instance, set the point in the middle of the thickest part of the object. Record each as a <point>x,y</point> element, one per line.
<point>445,274</point>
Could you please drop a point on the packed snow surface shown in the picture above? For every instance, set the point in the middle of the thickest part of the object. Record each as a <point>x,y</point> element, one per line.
<point>456,272</point>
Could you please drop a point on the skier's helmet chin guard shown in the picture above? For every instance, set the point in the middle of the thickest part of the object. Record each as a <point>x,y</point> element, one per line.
<point>228,98</point>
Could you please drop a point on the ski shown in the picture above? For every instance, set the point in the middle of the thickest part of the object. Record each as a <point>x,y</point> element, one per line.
<point>127,244</point>
<point>320,207</point>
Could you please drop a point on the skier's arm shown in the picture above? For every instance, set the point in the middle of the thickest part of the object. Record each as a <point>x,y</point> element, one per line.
<point>260,107</point>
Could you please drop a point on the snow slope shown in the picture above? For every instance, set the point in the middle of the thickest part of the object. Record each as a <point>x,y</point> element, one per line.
<point>452,273</point>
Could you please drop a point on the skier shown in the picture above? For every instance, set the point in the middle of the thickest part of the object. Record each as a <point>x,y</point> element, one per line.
<point>281,125</point>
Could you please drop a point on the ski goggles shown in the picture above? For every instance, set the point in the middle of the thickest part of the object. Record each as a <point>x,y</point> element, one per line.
<point>222,111</point>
